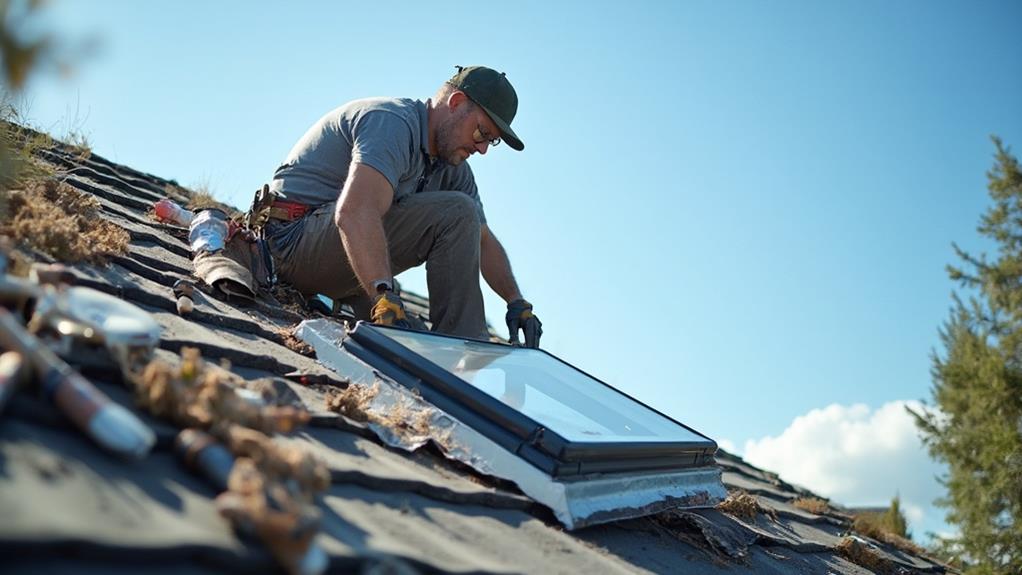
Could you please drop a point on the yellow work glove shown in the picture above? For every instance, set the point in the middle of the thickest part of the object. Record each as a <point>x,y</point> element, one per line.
<point>520,316</point>
<point>389,310</point>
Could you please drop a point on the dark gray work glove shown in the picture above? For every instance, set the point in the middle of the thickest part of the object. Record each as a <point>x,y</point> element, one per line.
<point>520,316</point>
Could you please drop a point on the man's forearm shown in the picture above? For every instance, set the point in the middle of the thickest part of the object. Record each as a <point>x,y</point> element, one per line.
<point>366,246</point>
<point>496,268</point>
<point>359,219</point>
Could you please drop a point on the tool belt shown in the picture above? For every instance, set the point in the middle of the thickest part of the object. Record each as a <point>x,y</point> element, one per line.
<point>287,211</point>
<point>266,206</point>
<point>260,266</point>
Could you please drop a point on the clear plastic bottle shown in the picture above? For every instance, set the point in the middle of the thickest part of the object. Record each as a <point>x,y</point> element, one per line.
<point>208,231</point>
<point>169,211</point>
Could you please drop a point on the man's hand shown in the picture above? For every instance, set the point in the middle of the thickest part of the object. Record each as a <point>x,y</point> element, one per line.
<point>389,310</point>
<point>520,316</point>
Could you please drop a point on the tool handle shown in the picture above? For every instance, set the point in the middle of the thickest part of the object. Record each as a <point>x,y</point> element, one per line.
<point>111,426</point>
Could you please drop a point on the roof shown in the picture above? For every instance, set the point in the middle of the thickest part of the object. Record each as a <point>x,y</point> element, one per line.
<point>67,506</point>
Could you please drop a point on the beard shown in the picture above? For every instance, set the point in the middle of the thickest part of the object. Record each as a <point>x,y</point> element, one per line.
<point>446,145</point>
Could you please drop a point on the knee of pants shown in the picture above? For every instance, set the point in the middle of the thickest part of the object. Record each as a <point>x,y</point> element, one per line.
<point>461,212</point>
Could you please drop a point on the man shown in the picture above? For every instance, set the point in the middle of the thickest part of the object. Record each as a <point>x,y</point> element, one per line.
<point>381,185</point>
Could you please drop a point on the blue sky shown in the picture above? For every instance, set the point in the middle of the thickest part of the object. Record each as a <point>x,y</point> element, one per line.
<point>739,212</point>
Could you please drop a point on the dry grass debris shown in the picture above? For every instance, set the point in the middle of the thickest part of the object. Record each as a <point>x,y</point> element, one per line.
<point>19,263</point>
<point>740,504</point>
<point>860,553</point>
<point>271,486</point>
<point>78,145</point>
<point>177,193</point>
<point>287,337</point>
<point>744,505</point>
<point>353,401</point>
<point>445,441</point>
<point>401,419</point>
<point>869,525</point>
<point>19,147</point>
<point>197,394</point>
<point>58,220</point>
<point>405,421</point>
<point>289,298</point>
<point>200,197</point>
<point>812,505</point>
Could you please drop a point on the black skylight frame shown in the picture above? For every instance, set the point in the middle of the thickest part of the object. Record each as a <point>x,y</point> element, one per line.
<point>513,430</point>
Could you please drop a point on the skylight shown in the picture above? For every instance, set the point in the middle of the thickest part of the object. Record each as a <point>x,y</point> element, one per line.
<point>587,451</point>
<point>559,397</point>
<point>550,413</point>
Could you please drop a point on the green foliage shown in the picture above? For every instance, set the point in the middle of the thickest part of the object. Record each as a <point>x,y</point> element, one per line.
<point>893,520</point>
<point>880,525</point>
<point>18,148</point>
<point>18,56</point>
<point>978,390</point>
<point>888,526</point>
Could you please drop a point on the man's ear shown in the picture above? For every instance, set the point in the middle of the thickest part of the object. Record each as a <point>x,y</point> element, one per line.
<point>456,99</point>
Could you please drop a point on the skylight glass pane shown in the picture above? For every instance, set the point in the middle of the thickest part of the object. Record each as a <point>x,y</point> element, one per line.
<point>558,396</point>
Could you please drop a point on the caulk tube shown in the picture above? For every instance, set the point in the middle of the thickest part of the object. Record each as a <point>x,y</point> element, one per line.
<point>203,454</point>
<point>206,456</point>
<point>110,425</point>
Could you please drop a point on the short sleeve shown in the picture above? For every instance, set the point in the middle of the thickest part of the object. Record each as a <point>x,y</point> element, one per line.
<point>383,141</point>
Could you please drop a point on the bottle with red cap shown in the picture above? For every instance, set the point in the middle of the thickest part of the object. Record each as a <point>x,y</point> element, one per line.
<point>168,210</point>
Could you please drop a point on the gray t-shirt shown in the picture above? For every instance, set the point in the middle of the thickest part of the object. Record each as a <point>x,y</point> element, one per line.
<point>388,134</point>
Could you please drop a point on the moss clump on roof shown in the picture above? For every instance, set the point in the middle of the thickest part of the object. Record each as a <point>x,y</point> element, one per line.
<point>60,221</point>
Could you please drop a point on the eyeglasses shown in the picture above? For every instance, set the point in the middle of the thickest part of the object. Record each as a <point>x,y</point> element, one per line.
<point>481,135</point>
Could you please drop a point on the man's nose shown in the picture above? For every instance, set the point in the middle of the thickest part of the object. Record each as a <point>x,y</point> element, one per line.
<point>481,147</point>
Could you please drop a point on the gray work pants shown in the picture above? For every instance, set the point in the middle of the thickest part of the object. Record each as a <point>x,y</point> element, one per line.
<point>440,229</point>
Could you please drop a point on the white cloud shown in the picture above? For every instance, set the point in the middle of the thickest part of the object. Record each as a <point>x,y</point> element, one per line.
<point>857,456</point>
<point>727,445</point>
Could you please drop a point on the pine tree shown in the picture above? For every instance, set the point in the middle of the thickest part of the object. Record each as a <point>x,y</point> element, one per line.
<point>894,520</point>
<point>977,386</point>
<point>882,525</point>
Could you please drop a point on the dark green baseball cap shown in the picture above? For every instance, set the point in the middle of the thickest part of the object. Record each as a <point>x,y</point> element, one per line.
<point>494,94</point>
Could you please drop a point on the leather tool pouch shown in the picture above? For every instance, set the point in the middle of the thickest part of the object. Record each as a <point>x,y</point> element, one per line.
<point>244,267</point>
<point>232,270</point>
